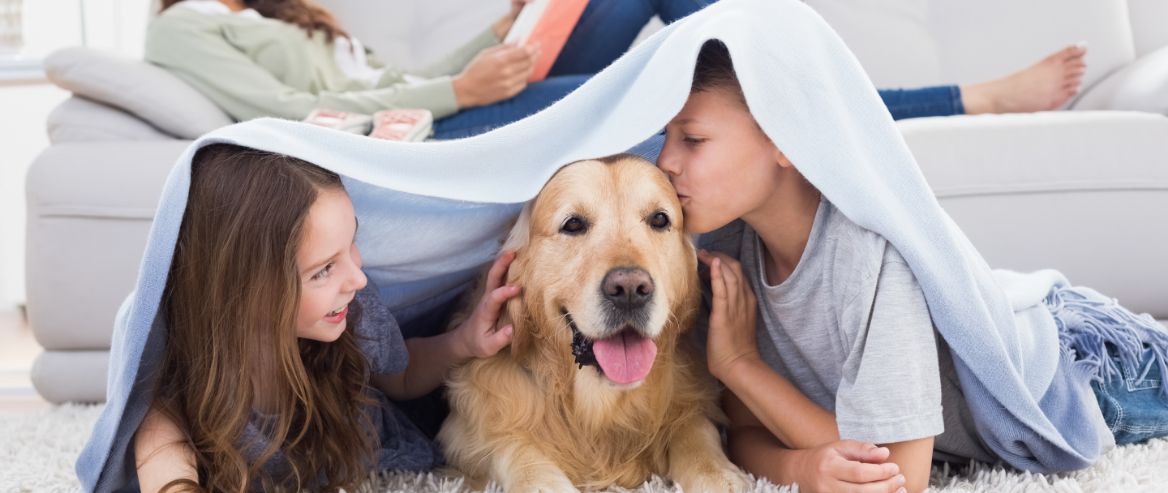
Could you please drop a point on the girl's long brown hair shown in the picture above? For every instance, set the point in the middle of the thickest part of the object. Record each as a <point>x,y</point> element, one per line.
<point>304,13</point>
<point>230,305</point>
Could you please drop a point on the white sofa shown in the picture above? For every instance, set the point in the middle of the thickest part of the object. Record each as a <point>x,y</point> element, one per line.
<point>1082,191</point>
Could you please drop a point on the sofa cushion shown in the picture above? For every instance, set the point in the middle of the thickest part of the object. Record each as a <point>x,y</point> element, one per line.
<point>1148,18</point>
<point>149,92</point>
<point>1083,192</point>
<point>1140,86</point>
<point>892,39</point>
<point>80,120</point>
<point>925,42</point>
<point>389,28</point>
<point>415,33</point>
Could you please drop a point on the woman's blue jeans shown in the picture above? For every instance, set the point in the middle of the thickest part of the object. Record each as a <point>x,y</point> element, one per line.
<point>605,31</point>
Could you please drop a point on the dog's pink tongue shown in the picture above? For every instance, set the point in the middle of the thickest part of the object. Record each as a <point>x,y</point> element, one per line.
<point>626,357</point>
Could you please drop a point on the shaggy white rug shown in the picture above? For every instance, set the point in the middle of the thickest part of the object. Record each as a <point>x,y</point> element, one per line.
<point>37,450</point>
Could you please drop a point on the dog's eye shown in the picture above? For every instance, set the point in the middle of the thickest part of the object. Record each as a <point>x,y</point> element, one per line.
<point>659,221</point>
<point>574,226</point>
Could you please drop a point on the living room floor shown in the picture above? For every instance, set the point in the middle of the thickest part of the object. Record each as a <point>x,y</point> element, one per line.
<point>18,349</point>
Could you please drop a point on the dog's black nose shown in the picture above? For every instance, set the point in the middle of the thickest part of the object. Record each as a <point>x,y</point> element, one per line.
<point>628,288</point>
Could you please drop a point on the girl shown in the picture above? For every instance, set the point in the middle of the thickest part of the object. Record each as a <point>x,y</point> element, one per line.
<point>841,340</point>
<point>279,357</point>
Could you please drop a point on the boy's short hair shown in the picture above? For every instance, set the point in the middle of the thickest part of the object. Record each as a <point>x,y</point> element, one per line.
<point>715,70</point>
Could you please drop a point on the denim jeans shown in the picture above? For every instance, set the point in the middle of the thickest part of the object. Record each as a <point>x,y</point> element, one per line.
<point>1133,405</point>
<point>605,31</point>
<point>1127,354</point>
<point>481,119</point>
<point>925,101</point>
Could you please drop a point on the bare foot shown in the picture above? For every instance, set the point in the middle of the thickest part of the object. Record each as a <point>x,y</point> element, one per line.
<point>1046,85</point>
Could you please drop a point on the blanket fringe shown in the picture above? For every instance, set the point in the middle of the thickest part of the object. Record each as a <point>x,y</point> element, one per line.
<point>1093,328</point>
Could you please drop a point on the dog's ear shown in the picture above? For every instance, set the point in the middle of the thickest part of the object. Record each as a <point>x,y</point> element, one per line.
<point>520,231</point>
<point>521,327</point>
<point>516,309</point>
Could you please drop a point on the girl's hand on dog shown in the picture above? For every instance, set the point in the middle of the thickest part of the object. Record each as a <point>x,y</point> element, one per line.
<point>480,338</point>
<point>732,316</point>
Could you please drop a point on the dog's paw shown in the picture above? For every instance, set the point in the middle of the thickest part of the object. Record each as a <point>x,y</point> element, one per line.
<point>723,480</point>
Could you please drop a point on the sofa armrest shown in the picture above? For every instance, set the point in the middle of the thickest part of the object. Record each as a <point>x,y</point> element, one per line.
<point>148,92</point>
<point>1139,86</point>
<point>1081,192</point>
<point>81,120</point>
<point>90,205</point>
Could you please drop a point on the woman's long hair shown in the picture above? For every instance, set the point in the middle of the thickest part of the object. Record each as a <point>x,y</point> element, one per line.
<point>304,13</point>
<point>230,305</point>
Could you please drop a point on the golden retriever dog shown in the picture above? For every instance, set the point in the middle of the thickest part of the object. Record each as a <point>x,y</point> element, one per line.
<point>596,388</point>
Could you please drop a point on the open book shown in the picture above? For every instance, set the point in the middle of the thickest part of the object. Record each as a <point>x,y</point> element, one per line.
<point>404,124</point>
<point>547,23</point>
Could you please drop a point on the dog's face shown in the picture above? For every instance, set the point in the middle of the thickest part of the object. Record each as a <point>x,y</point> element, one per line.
<point>609,275</point>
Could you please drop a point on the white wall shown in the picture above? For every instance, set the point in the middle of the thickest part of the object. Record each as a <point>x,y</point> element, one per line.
<point>22,137</point>
<point>117,25</point>
<point>113,25</point>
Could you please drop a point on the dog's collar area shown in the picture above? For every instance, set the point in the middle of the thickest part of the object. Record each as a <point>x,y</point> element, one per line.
<point>581,346</point>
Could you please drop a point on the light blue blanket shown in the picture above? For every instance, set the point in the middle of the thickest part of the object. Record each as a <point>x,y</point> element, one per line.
<point>432,213</point>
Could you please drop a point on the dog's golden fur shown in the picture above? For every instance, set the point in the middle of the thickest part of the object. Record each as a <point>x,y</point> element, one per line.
<point>529,417</point>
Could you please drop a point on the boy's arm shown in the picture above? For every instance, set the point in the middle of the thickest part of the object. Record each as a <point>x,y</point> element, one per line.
<point>774,403</point>
<point>765,401</point>
<point>915,458</point>
<point>733,358</point>
<point>804,425</point>
<point>891,386</point>
<point>161,453</point>
<point>835,466</point>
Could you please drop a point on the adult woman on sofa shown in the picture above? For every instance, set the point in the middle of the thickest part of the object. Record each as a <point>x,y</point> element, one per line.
<point>284,58</point>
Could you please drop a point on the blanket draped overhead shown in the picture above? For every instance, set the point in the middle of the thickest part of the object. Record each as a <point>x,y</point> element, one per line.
<point>432,213</point>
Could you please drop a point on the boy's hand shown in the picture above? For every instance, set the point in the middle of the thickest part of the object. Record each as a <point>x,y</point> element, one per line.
<point>478,335</point>
<point>732,317</point>
<point>849,466</point>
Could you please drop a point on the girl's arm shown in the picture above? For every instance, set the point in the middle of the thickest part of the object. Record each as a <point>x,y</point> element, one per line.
<point>161,453</point>
<point>431,358</point>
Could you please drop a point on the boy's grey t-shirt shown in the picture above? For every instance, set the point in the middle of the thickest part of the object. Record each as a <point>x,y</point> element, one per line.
<point>850,328</point>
